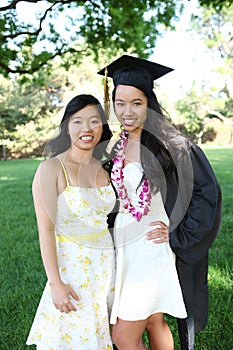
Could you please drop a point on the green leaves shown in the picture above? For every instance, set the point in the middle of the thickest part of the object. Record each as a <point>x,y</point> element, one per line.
<point>79,27</point>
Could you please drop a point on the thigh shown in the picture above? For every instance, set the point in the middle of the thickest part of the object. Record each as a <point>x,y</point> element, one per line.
<point>128,333</point>
<point>155,322</point>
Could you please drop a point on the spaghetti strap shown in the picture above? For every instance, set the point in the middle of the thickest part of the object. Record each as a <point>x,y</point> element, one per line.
<point>64,171</point>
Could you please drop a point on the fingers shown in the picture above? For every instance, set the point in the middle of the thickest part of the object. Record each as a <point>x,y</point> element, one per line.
<point>66,307</point>
<point>159,223</point>
<point>63,302</point>
<point>159,232</point>
<point>74,295</point>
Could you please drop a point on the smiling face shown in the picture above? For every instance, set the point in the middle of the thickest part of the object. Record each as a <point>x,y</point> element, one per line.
<point>131,108</point>
<point>85,128</point>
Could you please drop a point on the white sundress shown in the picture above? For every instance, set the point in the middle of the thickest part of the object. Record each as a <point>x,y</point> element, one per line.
<point>146,276</point>
<point>87,262</point>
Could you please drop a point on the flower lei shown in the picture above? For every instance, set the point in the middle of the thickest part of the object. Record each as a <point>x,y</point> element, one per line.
<point>118,179</point>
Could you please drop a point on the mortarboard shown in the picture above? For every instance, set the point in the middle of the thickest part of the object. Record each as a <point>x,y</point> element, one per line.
<point>137,72</point>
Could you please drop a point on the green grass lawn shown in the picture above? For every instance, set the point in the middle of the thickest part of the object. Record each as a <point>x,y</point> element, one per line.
<point>22,276</point>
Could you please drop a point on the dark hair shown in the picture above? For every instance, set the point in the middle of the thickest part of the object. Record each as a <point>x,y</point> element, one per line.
<point>62,142</point>
<point>158,141</point>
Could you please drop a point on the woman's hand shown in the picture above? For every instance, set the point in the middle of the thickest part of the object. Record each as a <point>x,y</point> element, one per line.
<point>159,232</point>
<point>61,294</point>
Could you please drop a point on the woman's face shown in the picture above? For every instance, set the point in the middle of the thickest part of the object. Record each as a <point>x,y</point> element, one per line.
<point>131,108</point>
<point>85,128</point>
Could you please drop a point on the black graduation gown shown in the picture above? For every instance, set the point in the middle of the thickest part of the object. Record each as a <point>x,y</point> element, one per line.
<point>193,203</point>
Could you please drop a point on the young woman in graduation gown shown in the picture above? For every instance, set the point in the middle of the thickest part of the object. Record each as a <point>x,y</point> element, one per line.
<point>178,170</point>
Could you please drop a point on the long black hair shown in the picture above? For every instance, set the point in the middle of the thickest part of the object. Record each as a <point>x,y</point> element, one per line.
<point>160,143</point>
<point>62,142</point>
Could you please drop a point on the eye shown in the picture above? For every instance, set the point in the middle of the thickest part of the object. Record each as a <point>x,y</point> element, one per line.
<point>96,121</point>
<point>119,104</point>
<point>136,104</point>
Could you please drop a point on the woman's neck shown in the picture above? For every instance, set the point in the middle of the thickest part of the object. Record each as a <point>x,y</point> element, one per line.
<point>132,150</point>
<point>78,156</point>
<point>135,135</point>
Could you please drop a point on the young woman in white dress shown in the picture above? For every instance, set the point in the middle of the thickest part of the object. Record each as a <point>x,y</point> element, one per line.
<point>147,284</point>
<point>72,197</point>
<point>169,214</point>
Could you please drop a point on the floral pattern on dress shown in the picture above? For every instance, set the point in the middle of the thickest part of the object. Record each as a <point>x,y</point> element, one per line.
<point>88,265</point>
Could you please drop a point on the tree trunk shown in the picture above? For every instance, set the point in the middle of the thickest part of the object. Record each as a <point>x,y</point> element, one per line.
<point>4,156</point>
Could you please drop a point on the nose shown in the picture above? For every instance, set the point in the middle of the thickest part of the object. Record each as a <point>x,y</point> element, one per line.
<point>86,126</point>
<point>128,109</point>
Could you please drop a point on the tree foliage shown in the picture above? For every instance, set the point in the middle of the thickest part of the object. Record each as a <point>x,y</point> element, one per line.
<point>22,104</point>
<point>192,112</point>
<point>31,112</point>
<point>67,31</point>
<point>216,29</point>
<point>79,28</point>
<point>216,4</point>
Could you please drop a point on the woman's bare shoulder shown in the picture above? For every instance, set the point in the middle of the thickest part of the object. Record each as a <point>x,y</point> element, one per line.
<point>48,169</point>
<point>49,164</point>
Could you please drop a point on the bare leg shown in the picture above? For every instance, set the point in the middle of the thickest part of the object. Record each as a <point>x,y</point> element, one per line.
<point>127,335</point>
<point>159,333</point>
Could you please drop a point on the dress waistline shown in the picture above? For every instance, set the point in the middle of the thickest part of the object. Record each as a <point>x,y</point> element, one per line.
<point>85,237</point>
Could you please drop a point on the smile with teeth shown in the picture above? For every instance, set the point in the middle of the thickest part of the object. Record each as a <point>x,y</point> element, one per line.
<point>86,138</point>
<point>129,121</point>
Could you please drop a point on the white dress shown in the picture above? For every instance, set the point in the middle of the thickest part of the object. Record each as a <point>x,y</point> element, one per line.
<point>86,261</point>
<point>146,277</point>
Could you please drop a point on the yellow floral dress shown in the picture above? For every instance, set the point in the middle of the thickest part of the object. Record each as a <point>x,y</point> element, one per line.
<point>86,261</point>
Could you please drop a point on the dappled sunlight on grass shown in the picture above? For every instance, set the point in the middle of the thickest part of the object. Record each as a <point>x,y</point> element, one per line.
<point>7,178</point>
<point>221,276</point>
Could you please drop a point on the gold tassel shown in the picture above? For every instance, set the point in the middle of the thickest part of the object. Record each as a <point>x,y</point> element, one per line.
<point>106,94</point>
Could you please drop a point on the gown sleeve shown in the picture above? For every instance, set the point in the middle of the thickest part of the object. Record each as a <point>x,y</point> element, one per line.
<point>195,218</point>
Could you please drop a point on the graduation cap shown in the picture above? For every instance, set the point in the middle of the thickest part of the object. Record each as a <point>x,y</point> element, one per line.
<point>130,70</point>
